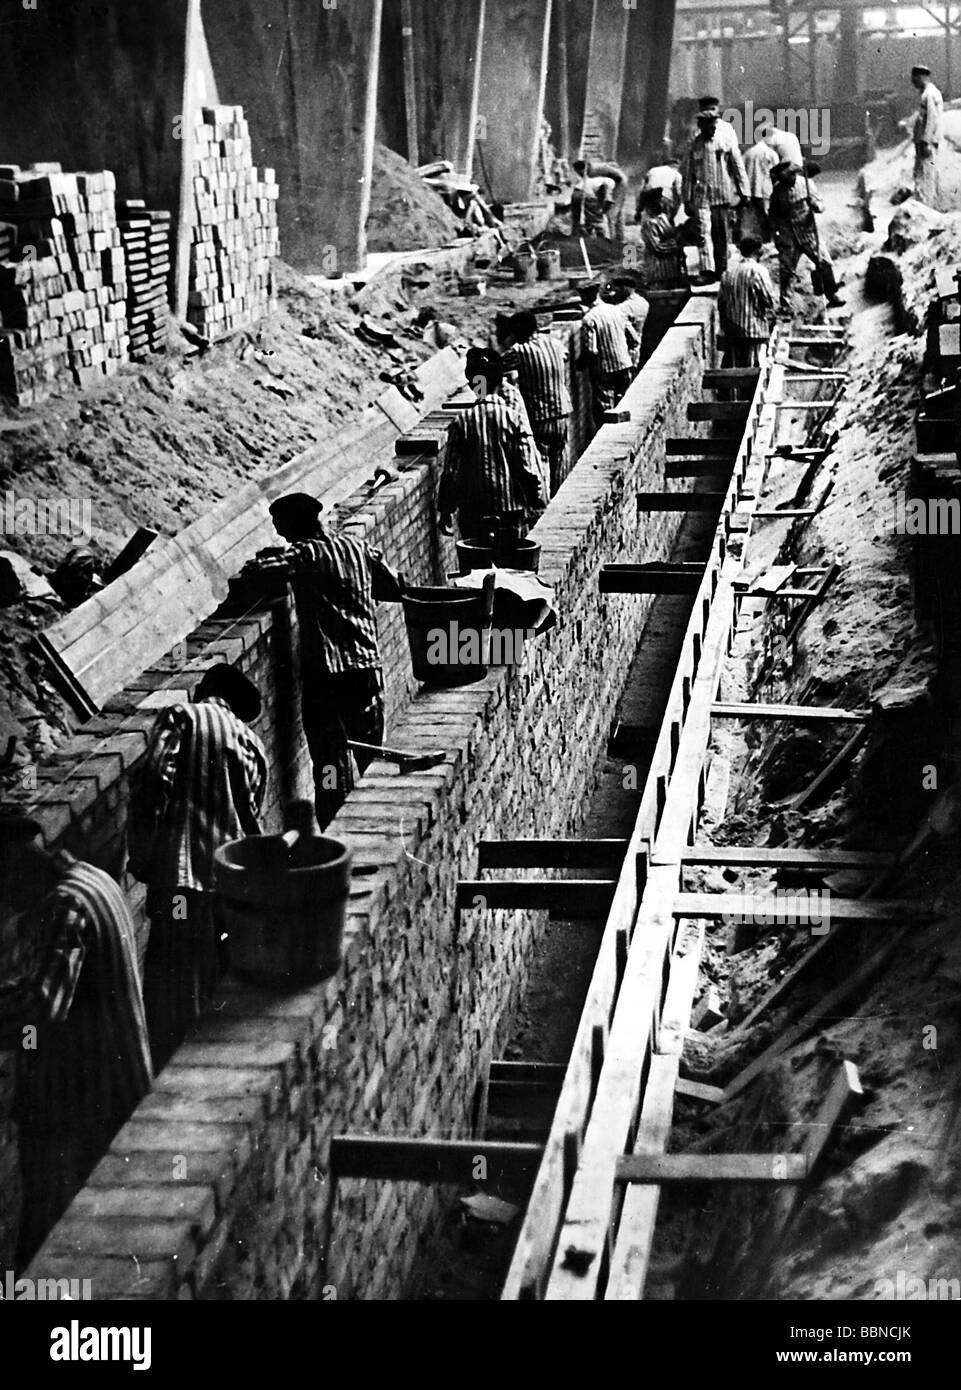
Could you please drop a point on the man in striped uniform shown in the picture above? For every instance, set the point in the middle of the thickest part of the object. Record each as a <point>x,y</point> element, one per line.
<point>540,362</point>
<point>202,785</point>
<point>606,338</point>
<point>494,477</point>
<point>715,182</point>
<point>599,169</point>
<point>74,1019</point>
<point>664,267</point>
<point>337,581</point>
<point>794,205</point>
<point>746,306</point>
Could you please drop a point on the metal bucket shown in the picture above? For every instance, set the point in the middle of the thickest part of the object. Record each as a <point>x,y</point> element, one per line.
<point>549,263</point>
<point>525,268</point>
<point>284,923</point>
<point>475,553</point>
<point>438,620</point>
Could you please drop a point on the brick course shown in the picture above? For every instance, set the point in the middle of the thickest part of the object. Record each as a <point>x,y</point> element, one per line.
<point>239,1124</point>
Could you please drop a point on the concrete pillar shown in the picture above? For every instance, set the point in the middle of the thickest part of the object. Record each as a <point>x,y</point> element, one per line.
<point>511,100</point>
<point>644,111</point>
<point>605,79</point>
<point>572,20</point>
<point>849,59</point>
<point>306,76</point>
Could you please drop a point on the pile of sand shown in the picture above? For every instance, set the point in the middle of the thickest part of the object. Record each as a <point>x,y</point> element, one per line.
<point>891,175</point>
<point>405,215</point>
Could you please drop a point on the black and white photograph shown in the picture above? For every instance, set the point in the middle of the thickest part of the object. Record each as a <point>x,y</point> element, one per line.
<point>480,673</point>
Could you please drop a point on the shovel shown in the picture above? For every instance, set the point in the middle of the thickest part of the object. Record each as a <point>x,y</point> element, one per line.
<point>405,759</point>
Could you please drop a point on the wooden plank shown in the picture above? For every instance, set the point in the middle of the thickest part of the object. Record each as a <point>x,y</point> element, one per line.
<point>680,501</point>
<point>808,714</point>
<point>429,1160</point>
<point>728,1168</point>
<point>706,467</point>
<point>699,445</point>
<point>650,579</point>
<point>550,854</point>
<point>785,983</point>
<point>825,1008</point>
<point>735,411</point>
<point>747,856</point>
<point>699,1090</point>
<point>567,897</point>
<point>719,377</point>
<point>791,905</point>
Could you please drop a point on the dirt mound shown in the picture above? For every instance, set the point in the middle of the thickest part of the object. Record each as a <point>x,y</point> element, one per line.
<point>405,215</point>
<point>888,177</point>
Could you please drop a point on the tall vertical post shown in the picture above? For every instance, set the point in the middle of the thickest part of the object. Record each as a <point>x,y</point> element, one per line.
<point>948,40</point>
<point>813,56</point>
<point>605,79</point>
<point>564,134</point>
<point>189,110</point>
<point>370,123</point>
<point>513,80</point>
<point>475,91</point>
<point>410,85</point>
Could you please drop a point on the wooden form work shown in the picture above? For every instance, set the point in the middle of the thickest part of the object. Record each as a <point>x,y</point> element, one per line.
<point>578,1225</point>
<point>589,1226</point>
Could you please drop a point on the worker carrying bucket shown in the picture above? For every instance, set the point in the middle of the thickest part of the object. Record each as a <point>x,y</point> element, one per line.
<point>337,581</point>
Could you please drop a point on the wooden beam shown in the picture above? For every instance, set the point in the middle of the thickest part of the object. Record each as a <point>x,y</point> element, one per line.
<point>720,377</point>
<point>718,465</point>
<point>785,983</point>
<point>781,857</point>
<point>410,86</point>
<point>699,1090</point>
<point>807,714</point>
<point>718,906</point>
<point>551,854</point>
<point>429,1160</point>
<point>654,578</point>
<point>680,501</point>
<point>567,897</point>
<point>699,445</point>
<point>735,411</point>
<point>727,1168</point>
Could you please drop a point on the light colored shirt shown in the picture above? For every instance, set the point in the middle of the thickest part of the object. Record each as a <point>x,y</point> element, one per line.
<point>929,123</point>
<point>667,180</point>
<point>759,160</point>
<point>786,145</point>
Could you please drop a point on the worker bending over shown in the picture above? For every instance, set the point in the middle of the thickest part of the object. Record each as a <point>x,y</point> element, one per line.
<point>715,183</point>
<point>664,178</point>
<point>73,1017</point>
<point>202,785</point>
<point>337,580</point>
<point>540,362</point>
<point>494,478</point>
<point>593,174</point>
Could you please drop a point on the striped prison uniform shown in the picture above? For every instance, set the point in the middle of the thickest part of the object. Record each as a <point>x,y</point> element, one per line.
<point>663,254</point>
<point>541,367</point>
<point>795,230</point>
<point>202,786</point>
<point>337,580</point>
<point>607,338</point>
<point>746,305</point>
<point>493,466</point>
<point>90,1065</point>
<point>714,180</point>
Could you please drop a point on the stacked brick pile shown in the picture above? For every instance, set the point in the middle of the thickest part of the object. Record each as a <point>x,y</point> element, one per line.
<point>146,244</point>
<point>63,313</point>
<point>235,237</point>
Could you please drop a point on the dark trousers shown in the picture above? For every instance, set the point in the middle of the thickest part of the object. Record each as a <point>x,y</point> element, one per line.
<point>336,710</point>
<point>185,958</point>
<point>607,388</point>
<point>550,436</point>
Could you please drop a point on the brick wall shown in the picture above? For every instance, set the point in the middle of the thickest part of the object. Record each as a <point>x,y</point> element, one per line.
<point>218,1183</point>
